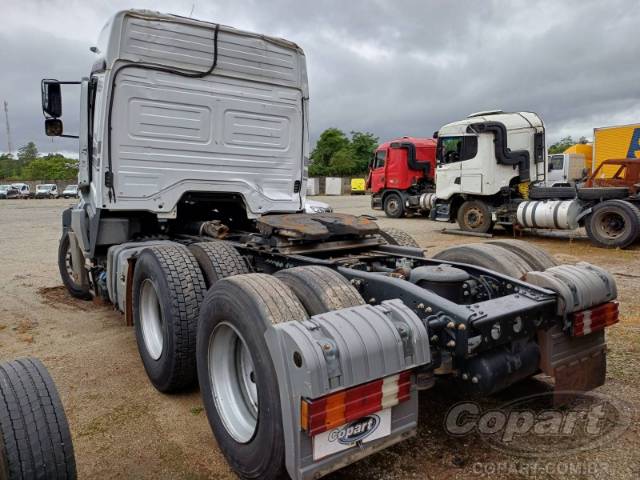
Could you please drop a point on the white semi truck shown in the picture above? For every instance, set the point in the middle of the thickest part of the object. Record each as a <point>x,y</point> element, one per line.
<point>492,168</point>
<point>309,334</point>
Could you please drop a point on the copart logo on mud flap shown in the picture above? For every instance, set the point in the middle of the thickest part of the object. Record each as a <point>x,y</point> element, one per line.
<point>356,430</point>
<point>529,427</point>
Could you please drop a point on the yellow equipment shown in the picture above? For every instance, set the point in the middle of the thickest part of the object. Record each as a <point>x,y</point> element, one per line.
<point>358,186</point>
<point>585,149</point>
<point>615,143</point>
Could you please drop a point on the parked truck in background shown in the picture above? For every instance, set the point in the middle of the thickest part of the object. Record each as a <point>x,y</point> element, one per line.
<point>621,141</point>
<point>401,175</point>
<point>492,170</point>
<point>309,334</point>
<point>565,169</point>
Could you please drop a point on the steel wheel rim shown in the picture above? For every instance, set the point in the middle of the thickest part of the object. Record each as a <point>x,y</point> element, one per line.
<point>393,205</point>
<point>151,320</point>
<point>233,386</point>
<point>474,217</point>
<point>68,261</point>
<point>610,225</point>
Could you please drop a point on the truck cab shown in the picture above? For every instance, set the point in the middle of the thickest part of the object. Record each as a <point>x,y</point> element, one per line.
<point>483,160</point>
<point>400,172</point>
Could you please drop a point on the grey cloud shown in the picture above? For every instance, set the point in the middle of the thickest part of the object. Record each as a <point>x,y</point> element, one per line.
<point>392,68</point>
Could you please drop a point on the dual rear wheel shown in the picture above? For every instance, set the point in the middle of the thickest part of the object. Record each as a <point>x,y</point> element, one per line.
<point>237,378</point>
<point>219,334</point>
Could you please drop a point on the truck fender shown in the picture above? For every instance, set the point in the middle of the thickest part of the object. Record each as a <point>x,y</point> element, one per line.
<point>337,350</point>
<point>66,218</point>
<point>78,260</point>
<point>403,195</point>
<point>584,213</point>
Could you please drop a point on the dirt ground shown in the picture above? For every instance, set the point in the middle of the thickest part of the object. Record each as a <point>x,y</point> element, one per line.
<point>123,428</point>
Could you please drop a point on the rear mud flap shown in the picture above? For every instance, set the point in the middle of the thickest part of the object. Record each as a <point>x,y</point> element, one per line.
<point>338,350</point>
<point>577,364</point>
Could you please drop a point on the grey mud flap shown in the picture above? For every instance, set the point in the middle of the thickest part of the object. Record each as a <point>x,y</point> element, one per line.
<point>335,351</point>
<point>577,363</point>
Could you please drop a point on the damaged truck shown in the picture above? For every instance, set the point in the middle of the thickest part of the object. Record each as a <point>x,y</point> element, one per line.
<point>310,335</point>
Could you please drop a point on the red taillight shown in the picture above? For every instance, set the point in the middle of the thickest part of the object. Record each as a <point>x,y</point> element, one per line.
<point>338,408</point>
<point>594,319</point>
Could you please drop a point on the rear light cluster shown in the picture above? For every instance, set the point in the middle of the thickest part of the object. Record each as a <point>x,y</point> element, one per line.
<point>592,320</point>
<point>338,408</point>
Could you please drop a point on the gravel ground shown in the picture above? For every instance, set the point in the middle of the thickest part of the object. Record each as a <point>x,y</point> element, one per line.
<point>123,428</point>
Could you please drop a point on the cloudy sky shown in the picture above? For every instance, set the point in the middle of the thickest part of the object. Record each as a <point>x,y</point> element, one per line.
<point>389,67</point>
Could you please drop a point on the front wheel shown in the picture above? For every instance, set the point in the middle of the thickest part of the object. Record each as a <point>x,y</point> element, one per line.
<point>237,378</point>
<point>474,216</point>
<point>393,206</point>
<point>65,265</point>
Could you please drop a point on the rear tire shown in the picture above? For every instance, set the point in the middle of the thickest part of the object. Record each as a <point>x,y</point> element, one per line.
<point>167,291</point>
<point>613,224</point>
<point>474,216</point>
<point>243,404</point>
<point>218,260</point>
<point>395,236</point>
<point>537,258</point>
<point>320,289</point>
<point>35,441</point>
<point>491,257</point>
<point>65,266</point>
<point>393,206</point>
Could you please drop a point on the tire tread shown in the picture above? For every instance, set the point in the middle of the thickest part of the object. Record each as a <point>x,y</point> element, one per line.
<point>186,290</point>
<point>320,289</point>
<point>221,258</point>
<point>33,426</point>
<point>396,236</point>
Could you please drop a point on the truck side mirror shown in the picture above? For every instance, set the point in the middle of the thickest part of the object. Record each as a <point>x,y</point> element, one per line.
<point>51,98</point>
<point>53,127</point>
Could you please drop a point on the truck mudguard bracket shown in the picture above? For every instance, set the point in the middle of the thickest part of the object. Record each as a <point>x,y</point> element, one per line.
<point>578,286</point>
<point>338,350</point>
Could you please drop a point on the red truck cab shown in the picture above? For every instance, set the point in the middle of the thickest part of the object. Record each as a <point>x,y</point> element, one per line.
<point>401,175</point>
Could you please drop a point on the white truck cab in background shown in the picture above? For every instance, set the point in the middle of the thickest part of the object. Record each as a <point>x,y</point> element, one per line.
<point>472,159</point>
<point>484,160</point>
<point>565,169</point>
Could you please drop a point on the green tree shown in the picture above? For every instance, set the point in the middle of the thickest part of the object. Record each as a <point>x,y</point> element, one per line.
<point>9,167</point>
<point>30,166</point>
<point>336,154</point>
<point>562,145</point>
<point>343,162</point>
<point>51,167</point>
<point>363,145</point>
<point>331,141</point>
<point>27,152</point>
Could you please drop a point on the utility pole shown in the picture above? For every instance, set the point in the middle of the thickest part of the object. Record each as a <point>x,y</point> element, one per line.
<point>6,116</point>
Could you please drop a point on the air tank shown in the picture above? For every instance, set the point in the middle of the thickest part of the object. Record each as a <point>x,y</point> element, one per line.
<point>427,201</point>
<point>558,214</point>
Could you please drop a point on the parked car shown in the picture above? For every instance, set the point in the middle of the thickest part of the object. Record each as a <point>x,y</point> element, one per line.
<point>70,192</point>
<point>10,193</point>
<point>47,190</point>
<point>314,206</point>
<point>24,191</point>
<point>3,191</point>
